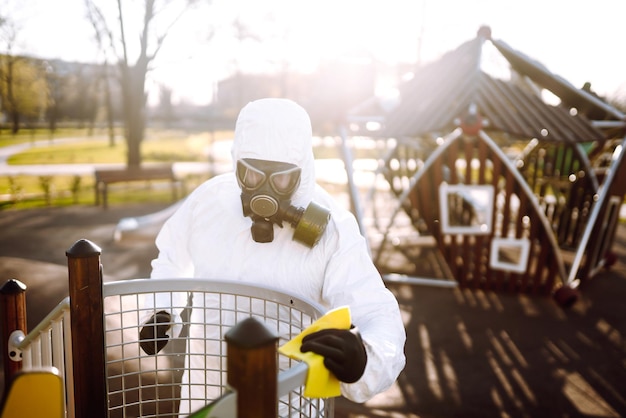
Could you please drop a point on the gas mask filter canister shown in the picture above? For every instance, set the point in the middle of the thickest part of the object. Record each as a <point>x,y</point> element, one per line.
<point>266,191</point>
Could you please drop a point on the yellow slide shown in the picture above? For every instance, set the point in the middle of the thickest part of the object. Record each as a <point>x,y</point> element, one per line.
<point>35,394</point>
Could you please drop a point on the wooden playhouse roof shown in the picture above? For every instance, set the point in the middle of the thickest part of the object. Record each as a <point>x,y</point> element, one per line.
<point>442,92</point>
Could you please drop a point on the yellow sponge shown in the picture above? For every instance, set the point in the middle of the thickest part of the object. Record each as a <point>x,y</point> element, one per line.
<point>320,383</point>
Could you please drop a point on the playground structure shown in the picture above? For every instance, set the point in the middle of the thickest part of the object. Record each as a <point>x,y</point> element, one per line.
<point>92,341</point>
<point>486,181</point>
<point>501,184</point>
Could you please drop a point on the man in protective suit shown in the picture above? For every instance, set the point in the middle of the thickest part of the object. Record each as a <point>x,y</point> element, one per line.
<point>269,223</point>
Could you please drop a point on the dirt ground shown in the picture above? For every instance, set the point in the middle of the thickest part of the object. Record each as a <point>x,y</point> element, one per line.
<point>469,354</point>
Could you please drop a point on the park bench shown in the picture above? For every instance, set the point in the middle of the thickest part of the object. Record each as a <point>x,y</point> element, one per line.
<point>105,177</point>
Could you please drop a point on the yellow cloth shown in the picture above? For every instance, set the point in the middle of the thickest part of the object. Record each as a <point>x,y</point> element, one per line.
<point>320,383</point>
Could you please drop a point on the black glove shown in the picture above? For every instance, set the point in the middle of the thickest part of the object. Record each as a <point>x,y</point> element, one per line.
<point>343,351</point>
<point>153,337</point>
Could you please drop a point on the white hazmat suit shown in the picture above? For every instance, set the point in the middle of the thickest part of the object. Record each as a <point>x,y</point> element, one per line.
<point>208,237</point>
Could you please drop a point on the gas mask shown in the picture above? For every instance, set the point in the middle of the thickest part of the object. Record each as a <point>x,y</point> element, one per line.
<point>266,191</point>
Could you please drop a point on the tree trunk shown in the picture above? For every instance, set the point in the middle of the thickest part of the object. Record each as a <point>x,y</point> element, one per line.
<point>109,105</point>
<point>134,107</point>
<point>15,122</point>
<point>13,109</point>
<point>52,119</point>
<point>134,137</point>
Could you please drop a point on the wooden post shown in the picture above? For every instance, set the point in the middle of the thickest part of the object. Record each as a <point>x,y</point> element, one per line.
<point>12,318</point>
<point>87,324</point>
<point>252,364</point>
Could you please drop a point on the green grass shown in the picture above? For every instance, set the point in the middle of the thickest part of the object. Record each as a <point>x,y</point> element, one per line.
<point>23,191</point>
<point>92,151</point>
<point>32,135</point>
<point>20,192</point>
<point>165,147</point>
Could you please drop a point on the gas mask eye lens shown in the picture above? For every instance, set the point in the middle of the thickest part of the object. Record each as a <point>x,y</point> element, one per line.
<point>252,179</point>
<point>285,182</point>
<point>281,181</point>
<point>248,176</point>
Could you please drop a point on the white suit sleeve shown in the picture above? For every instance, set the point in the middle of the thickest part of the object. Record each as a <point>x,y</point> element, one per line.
<point>173,260</point>
<point>352,279</point>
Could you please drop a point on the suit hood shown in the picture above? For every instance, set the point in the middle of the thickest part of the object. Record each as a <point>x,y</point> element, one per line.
<point>277,130</point>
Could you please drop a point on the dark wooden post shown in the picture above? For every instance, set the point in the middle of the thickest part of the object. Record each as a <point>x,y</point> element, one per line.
<point>87,322</point>
<point>13,318</point>
<point>252,364</point>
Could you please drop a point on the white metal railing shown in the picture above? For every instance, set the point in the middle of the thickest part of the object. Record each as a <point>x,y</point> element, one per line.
<point>143,385</point>
<point>49,344</point>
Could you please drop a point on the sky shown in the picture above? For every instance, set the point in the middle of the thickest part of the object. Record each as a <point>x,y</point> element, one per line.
<point>579,40</point>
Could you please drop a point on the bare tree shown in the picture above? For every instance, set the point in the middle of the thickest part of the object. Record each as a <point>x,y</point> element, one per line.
<point>23,91</point>
<point>7,64</point>
<point>158,17</point>
<point>102,34</point>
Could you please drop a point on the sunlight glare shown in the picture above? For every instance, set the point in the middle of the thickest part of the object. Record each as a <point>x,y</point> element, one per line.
<point>580,393</point>
<point>283,35</point>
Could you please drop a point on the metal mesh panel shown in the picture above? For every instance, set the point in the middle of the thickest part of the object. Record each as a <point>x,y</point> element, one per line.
<point>158,385</point>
